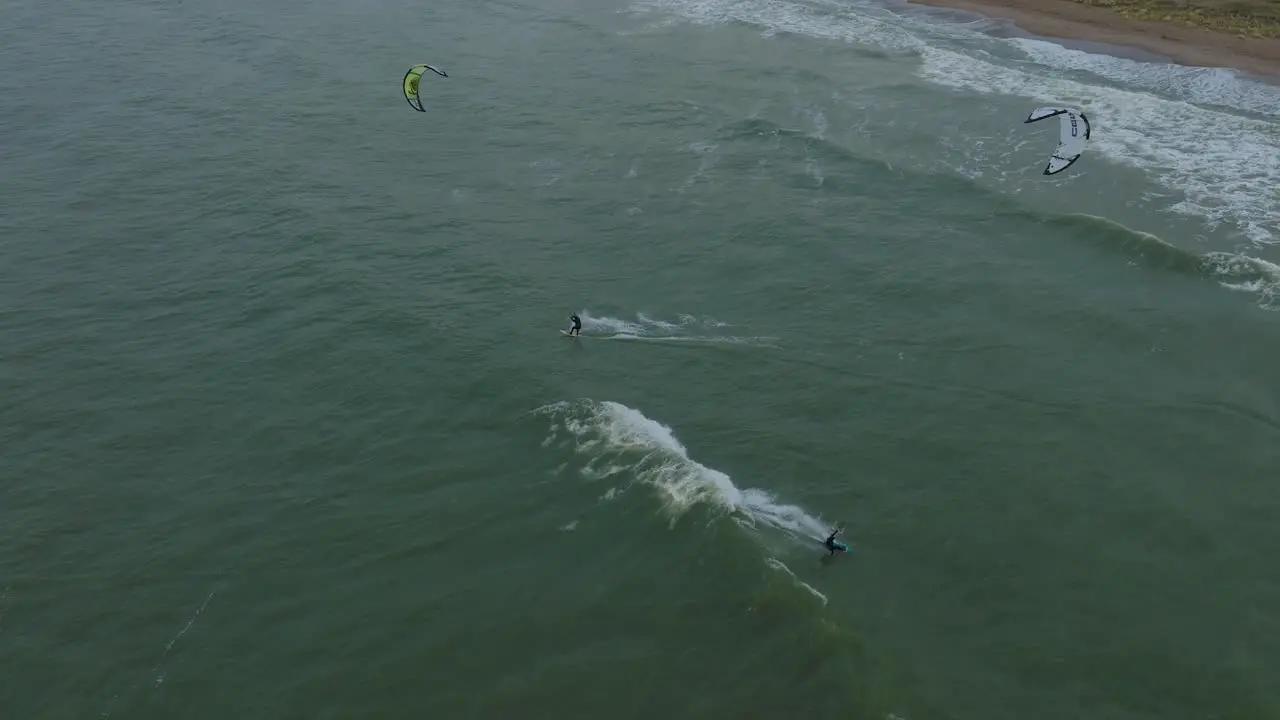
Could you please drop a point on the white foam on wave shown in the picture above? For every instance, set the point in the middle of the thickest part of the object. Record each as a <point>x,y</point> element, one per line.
<point>1246,274</point>
<point>794,18</point>
<point>1223,163</point>
<point>617,436</point>
<point>1209,86</point>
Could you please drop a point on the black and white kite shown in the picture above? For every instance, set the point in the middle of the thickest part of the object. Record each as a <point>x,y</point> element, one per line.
<point>1071,141</point>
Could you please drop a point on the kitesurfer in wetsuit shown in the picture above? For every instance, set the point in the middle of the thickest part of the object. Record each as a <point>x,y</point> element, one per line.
<point>576,328</point>
<point>831,543</point>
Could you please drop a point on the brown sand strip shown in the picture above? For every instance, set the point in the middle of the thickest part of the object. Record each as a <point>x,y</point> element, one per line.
<point>1253,46</point>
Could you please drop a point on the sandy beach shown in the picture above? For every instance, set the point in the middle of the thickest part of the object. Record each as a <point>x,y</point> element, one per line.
<point>1187,34</point>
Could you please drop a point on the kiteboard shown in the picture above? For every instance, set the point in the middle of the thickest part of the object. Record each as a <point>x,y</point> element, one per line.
<point>566,334</point>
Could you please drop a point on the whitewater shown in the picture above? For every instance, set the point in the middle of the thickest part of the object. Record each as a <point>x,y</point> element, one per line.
<point>1208,137</point>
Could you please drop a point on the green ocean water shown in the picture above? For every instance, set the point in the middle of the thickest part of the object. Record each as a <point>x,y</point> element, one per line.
<point>289,431</point>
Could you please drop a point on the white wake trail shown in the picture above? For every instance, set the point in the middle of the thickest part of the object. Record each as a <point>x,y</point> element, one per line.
<point>688,329</point>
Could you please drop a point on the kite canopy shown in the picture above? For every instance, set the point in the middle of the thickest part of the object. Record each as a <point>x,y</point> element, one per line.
<point>1074,133</point>
<point>411,80</point>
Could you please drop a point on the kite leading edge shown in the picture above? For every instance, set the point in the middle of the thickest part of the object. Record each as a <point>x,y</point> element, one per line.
<point>1073,134</point>
<point>410,84</point>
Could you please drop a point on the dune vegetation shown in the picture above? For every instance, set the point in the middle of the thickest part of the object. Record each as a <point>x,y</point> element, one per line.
<point>1248,18</point>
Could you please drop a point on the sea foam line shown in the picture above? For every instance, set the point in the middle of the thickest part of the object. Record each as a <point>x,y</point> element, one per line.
<point>1211,157</point>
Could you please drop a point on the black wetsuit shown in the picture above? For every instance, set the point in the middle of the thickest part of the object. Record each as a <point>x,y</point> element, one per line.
<point>831,542</point>
<point>577,325</point>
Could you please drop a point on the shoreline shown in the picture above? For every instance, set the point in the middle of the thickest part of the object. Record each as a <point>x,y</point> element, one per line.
<point>1178,42</point>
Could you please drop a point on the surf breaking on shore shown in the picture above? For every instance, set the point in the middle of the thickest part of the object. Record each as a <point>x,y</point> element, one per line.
<point>1243,36</point>
<point>1200,133</point>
